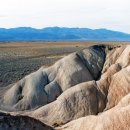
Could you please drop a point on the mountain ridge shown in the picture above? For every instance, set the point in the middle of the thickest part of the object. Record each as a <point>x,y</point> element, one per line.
<point>61,34</point>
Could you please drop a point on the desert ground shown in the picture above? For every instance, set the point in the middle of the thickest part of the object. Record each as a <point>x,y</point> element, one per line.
<point>18,59</point>
<point>87,89</point>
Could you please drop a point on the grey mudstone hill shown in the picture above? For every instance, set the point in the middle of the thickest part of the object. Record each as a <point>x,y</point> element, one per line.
<point>45,85</point>
<point>87,90</point>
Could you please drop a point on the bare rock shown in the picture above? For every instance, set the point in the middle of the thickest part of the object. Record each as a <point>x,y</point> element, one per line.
<point>8,122</point>
<point>46,84</point>
<point>116,118</point>
<point>81,100</point>
<point>87,90</point>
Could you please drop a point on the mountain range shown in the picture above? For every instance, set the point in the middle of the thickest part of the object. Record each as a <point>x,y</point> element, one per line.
<point>61,34</point>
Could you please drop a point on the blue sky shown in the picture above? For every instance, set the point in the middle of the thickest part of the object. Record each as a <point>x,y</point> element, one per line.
<point>111,14</point>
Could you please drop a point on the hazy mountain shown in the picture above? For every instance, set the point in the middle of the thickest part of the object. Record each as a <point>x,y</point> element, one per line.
<point>57,33</point>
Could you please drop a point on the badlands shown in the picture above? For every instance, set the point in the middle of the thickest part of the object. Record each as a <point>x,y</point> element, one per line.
<point>86,90</point>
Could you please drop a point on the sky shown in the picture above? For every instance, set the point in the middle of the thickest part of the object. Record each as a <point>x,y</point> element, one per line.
<point>110,14</point>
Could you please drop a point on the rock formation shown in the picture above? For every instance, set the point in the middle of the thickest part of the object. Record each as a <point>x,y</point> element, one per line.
<point>87,90</point>
<point>8,122</point>
<point>45,85</point>
<point>117,118</point>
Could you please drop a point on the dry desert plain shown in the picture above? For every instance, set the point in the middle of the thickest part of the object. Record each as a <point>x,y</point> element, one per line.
<point>18,59</point>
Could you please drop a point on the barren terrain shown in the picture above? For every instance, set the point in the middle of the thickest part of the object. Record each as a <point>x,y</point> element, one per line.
<point>20,59</point>
<point>85,90</point>
<point>64,65</point>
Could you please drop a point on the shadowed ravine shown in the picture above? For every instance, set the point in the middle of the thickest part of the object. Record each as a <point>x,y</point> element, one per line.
<point>86,90</point>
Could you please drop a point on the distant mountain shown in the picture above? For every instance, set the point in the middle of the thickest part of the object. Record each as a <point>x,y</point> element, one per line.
<point>61,34</point>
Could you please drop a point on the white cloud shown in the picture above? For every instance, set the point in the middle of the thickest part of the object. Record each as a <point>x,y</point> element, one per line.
<point>112,14</point>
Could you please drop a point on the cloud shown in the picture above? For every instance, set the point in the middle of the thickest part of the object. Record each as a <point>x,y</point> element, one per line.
<point>113,14</point>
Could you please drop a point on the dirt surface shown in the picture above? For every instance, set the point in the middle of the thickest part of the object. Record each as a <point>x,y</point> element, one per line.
<point>20,59</point>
